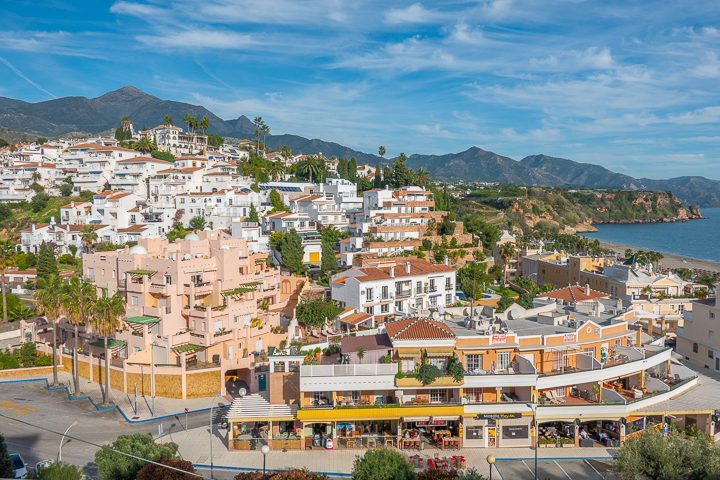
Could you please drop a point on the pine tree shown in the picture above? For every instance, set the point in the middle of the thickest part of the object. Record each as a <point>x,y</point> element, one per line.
<point>352,170</point>
<point>46,263</point>
<point>253,217</point>
<point>342,168</point>
<point>6,468</point>
<point>401,174</point>
<point>292,252</point>
<point>276,201</point>
<point>378,182</point>
<point>327,262</point>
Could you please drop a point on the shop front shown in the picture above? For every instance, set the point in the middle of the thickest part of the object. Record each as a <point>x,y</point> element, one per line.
<point>252,434</point>
<point>491,430</point>
<point>432,431</point>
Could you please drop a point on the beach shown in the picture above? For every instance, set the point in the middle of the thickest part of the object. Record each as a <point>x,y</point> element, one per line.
<point>669,260</point>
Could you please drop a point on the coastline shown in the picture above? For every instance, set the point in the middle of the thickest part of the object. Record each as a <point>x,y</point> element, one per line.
<point>670,260</point>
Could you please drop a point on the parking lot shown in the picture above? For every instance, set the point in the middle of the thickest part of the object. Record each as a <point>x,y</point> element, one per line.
<point>555,469</point>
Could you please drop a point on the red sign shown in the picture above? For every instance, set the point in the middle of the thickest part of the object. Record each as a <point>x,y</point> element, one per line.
<point>431,423</point>
<point>499,338</point>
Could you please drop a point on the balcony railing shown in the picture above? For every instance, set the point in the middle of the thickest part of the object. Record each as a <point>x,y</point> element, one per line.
<point>355,369</point>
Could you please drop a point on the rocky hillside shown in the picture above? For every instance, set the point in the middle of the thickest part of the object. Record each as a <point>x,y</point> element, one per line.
<point>572,211</point>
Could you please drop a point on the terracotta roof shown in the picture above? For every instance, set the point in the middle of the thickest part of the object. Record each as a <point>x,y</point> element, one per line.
<point>95,146</point>
<point>573,293</point>
<point>418,329</point>
<point>75,204</point>
<point>80,228</point>
<point>356,318</point>
<point>144,160</point>
<point>190,169</point>
<point>133,229</point>
<point>417,267</point>
<point>309,198</point>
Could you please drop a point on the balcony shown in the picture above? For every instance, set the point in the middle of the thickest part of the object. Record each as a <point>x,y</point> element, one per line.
<point>403,293</point>
<point>626,362</point>
<point>326,378</point>
<point>413,382</point>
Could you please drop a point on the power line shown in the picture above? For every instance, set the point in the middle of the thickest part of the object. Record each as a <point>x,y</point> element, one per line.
<point>103,447</point>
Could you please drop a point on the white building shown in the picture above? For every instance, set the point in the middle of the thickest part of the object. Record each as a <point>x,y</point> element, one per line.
<point>395,287</point>
<point>173,139</point>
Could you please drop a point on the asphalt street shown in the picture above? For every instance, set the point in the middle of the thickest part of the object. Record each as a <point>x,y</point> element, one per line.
<point>50,411</point>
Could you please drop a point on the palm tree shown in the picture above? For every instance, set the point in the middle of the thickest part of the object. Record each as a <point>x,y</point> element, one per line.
<point>360,352</point>
<point>193,124</point>
<point>258,121</point>
<point>7,259</point>
<point>276,170</point>
<point>125,124</point>
<point>79,298</point>
<point>422,175</point>
<point>49,303</point>
<point>507,251</point>
<point>35,176</point>
<point>310,166</point>
<point>204,124</point>
<point>144,145</point>
<point>107,313</point>
<point>167,120</point>
<point>197,223</point>
<point>648,291</point>
<point>265,130</point>
<point>285,153</point>
<point>381,150</point>
<point>187,119</point>
<point>89,236</point>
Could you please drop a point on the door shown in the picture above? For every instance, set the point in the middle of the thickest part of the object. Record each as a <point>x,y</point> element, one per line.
<point>262,382</point>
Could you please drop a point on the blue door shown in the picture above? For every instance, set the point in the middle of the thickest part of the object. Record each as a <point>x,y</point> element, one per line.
<point>262,382</point>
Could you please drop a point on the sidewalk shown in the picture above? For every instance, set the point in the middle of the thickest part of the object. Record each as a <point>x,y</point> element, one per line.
<point>194,446</point>
<point>126,402</point>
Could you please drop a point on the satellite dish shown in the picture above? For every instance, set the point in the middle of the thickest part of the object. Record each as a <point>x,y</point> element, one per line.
<point>242,392</point>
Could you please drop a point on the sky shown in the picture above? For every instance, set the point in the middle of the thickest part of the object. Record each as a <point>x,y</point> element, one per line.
<point>630,85</point>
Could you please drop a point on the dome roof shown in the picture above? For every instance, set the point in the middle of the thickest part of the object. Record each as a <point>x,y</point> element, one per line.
<point>192,236</point>
<point>138,250</point>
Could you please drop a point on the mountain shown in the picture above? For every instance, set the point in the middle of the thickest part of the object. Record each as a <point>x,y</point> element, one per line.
<point>476,164</point>
<point>71,114</point>
<point>79,114</point>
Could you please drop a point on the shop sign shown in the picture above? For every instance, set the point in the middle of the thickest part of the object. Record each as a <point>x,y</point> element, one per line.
<point>499,338</point>
<point>431,423</point>
<point>498,416</point>
<point>569,337</point>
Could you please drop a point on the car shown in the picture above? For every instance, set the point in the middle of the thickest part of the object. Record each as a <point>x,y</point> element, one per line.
<point>19,465</point>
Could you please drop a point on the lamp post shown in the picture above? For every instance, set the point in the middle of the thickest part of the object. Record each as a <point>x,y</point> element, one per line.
<point>265,449</point>
<point>62,439</point>
<point>212,406</point>
<point>533,406</point>
<point>491,461</point>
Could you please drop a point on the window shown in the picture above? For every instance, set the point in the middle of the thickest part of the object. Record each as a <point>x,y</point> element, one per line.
<point>503,362</point>
<point>448,283</point>
<point>433,301</point>
<point>589,352</point>
<point>515,431</point>
<point>473,362</point>
<point>399,306</point>
<point>439,362</point>
<point>448,299</point>
<point>384,308</point>
<point>168,280</point>
<point>369,295</point>
<point>432,285</point>
<point>474,433</point>
<point>385,293</point>
<point>355,396</point>
<point>418,288</point>
<point>407,365</point>
<point>710,353</point>
<point>712,314</point>
<point>695,348</point>
<point>133,300</point>
<point>438,396</point>
<point>369,310</point>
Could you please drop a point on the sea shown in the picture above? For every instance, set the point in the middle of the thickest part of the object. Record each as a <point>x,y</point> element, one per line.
<point>695,238</point>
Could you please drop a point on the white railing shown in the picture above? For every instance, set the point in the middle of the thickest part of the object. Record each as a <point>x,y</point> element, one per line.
<point>351,370</point>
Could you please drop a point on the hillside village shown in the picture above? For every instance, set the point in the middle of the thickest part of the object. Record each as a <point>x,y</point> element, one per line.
<point>319,292</point>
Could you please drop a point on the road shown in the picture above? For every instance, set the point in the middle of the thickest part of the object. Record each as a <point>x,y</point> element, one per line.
<point>51,411</point>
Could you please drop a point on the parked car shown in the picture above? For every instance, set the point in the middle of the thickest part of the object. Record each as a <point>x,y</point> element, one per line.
<point>19,465</point>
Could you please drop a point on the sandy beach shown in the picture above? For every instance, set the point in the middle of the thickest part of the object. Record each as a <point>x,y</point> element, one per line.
<point>670,260</point>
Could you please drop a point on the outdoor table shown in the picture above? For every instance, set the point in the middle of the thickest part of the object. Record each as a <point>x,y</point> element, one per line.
<point>411,443</point>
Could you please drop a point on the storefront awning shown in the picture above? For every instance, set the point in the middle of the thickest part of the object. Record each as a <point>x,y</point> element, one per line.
<point>431,351</point>
<point>425,419</point>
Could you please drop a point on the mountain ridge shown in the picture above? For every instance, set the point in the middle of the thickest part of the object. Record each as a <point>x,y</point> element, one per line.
<point>70,114</point>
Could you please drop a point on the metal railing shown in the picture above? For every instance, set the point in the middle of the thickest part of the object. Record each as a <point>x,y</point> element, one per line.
<point>353,369</point>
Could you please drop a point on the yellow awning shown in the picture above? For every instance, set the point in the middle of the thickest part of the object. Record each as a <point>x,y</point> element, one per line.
<point>379,413</point>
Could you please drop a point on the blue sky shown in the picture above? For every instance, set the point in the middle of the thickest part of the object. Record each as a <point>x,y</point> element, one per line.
<point>631,85</point>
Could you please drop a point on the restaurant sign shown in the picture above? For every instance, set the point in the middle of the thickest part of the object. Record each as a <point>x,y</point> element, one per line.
<point>569,337</point>
<point>499,338</point>
<point>431,423</point>
<point>498,416</point>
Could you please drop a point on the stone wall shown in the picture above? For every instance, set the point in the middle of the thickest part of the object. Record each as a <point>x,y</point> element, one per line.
<point>14,373</point>
<point>203,384</point>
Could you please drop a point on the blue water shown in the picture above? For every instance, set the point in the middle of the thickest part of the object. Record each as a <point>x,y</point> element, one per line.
<point>697,238</point>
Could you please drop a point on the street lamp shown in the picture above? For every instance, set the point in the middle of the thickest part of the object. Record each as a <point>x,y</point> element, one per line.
<point>491,461</point>
<point>212,466</point>
<point>533,406</point>
<point>62,439</point>
<point>265,449</point>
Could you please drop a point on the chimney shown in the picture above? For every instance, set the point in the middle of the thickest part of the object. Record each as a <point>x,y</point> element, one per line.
<point>587,289</point>
<point>392,271</point>
<point>619,305</point>
<point>33,227</point>
<point>638,339</point>
<point>407,267</point>
<point>446,261</point>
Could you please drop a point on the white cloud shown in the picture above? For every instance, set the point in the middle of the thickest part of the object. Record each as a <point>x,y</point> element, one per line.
<point>412,14</point>
<point>198,39</point>
<point>463,33</point>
